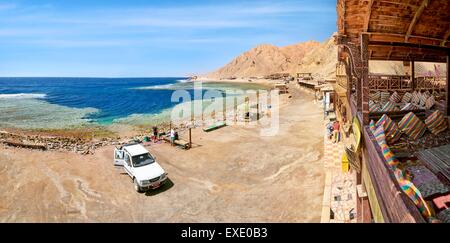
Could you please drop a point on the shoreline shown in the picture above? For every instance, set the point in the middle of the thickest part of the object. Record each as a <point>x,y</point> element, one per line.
<point>262,81</point>
<point>231,168</point>
<point>88,138</point>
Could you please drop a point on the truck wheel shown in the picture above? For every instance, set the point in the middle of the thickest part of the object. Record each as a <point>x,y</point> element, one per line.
<point>136,186</point>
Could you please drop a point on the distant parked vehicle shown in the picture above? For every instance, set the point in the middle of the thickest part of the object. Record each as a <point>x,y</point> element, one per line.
<point>141,166</point>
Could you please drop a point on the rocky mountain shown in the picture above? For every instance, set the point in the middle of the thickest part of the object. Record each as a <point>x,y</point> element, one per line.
<point>265,60</point>
<point>320,59</point>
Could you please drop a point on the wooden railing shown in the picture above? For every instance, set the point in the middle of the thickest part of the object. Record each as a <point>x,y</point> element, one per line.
<point>390,83</point>
<point>401,83</point>
<point>395,206</point>
<point>430,83</point>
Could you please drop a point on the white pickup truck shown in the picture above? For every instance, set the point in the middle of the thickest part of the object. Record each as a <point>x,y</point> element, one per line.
<point>141,166</point>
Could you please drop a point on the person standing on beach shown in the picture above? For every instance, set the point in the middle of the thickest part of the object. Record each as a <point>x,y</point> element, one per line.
<point>330,130</point>
<point>336,129</point>
<point>155,134</point>
<point>172,136</point>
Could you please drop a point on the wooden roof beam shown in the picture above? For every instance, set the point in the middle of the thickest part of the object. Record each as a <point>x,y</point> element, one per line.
<point>410,45</point>
<point>369,14</point>
<point>416,19</point>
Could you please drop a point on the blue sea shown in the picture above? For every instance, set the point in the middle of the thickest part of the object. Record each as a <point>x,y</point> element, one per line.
<point>55,103</point>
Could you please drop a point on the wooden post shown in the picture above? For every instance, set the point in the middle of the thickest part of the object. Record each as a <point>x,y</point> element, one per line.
<point>349,73</point>
<point>203,119</point>
<point>365,77</point>
<point>224,107</point>
<point>257,105</point>
<point>447,108</point>
<point>190,137</point>
<point>413,76</point>
<point>235,109</point>
<point>359,94</point>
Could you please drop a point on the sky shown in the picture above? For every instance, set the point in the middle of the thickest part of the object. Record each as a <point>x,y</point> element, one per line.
<point>148,38</point>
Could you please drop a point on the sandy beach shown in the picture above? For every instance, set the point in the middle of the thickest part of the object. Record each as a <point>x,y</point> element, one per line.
<point>230,175</point>
<point>261,81</point>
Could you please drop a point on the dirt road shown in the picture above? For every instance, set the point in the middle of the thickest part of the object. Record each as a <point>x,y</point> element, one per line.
<point>231,175</point>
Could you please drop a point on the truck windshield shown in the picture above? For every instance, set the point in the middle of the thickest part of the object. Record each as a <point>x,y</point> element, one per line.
<point>143,159</point>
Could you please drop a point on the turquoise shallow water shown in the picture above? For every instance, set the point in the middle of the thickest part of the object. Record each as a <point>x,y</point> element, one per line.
<point>35,103</point>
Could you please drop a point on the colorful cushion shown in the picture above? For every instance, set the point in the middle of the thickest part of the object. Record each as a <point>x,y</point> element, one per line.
<point>409,107</point>
<point>375,96</point>
<point>395,98</point>
<point>430,103</point>
<point>412,126</point>
<point>384,97</point>
<point>407,98</point>
<point>372,126</point>
<point>391,129</point>
<point>373,107</point>
<point>379,135</point>
<point>423,99</point>
<point>436,94</point>
<point>389,106</point>
<point>436,123</point>
<point>415,99</point>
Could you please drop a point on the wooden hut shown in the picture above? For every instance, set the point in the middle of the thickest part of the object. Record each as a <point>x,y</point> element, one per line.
<point>397,30</point>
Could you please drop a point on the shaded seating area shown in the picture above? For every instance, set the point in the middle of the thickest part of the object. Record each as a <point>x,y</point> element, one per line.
<point>427,172</point>
<point>401,115</point>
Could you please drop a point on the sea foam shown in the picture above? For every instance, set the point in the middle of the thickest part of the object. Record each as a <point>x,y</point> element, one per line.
<point>22,96</point>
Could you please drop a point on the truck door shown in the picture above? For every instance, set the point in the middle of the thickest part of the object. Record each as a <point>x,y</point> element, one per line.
<point>119,157</point>
<point>127,165</point>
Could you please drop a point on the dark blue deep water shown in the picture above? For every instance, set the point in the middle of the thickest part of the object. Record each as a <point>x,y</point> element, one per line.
<point>114,98</point>
<point>97,100</point>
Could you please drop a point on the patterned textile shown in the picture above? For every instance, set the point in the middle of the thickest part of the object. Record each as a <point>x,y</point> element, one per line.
<point>430,103</point>
<point>353,160</point>
<point>372,127</point>
<point>373,107</point>
<point>432,188</point>
<point>407,98</point>
<point>384,97</point>
<point>423,99</point>
<point>389,106</point>
<point>395,98</point>
<point>415,99</point>
<point>436,123</point>
<point>444,216</point>
<point>412,126</point>
<point>436,94</point>
<point>409,107</point>
<point>375,96</point>
<point>391,129</point>
<point>421,175</point>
